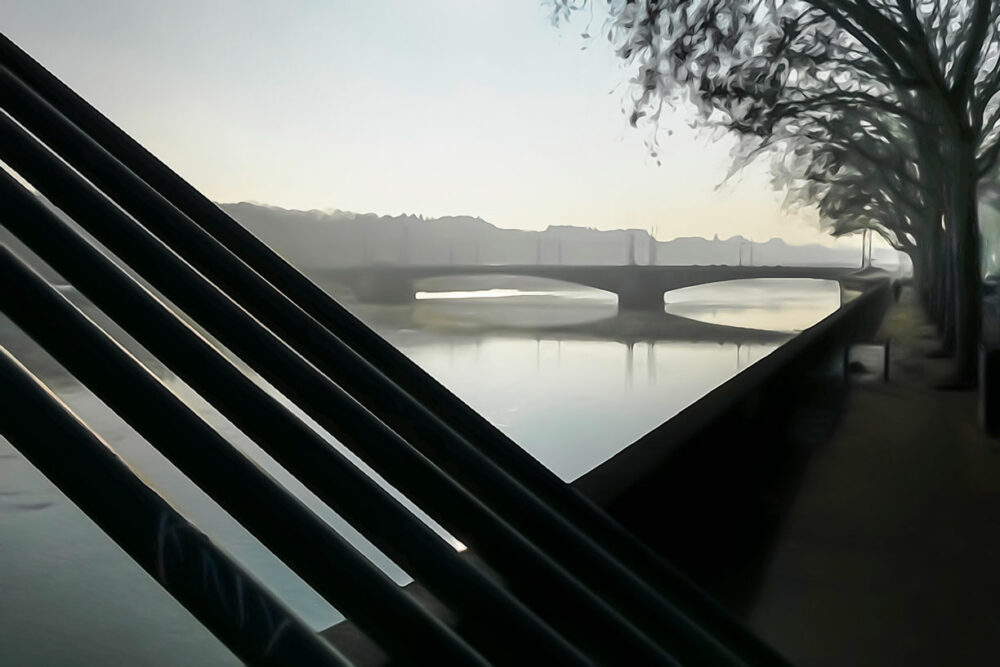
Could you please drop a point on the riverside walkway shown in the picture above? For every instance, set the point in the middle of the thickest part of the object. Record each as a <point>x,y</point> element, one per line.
<point>890,553</point>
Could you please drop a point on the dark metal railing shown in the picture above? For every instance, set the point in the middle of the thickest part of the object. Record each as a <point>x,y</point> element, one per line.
<point>160,540</point>
<point>299,449</point>
<point>283,524</point>
<point>580,587</point>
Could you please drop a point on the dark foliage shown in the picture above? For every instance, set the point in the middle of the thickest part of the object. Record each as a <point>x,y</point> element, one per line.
<point>882,113</point>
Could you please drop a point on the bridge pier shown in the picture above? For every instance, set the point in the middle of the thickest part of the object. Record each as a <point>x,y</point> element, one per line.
<point>383,288</point>
<point>644,297</point>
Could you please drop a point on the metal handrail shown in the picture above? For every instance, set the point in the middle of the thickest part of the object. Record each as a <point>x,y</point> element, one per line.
<point>324,471</point>
<point>160,540</point>
<point>308,545</point>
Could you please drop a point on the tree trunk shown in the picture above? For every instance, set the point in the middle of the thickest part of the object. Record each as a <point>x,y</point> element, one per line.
<point>966,273</point>
<point>942,302</point>
<point>932,270</point>
<point>918,262</point>
<point>946,302</point>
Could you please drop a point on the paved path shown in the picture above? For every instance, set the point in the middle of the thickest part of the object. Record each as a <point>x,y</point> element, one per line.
<point>890,554</point>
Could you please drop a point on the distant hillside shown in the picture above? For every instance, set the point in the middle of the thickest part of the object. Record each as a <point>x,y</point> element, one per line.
<point>316,239</point>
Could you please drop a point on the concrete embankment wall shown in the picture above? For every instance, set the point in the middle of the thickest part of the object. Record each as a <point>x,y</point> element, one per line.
<point>708,488</point>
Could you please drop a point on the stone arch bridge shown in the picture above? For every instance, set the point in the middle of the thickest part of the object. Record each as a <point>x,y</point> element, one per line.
<point>637,287</point>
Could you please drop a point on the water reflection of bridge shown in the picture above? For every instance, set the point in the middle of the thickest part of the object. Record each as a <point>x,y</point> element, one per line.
<point>743,352</point>
<point>632,328</point>
<point>637,287</point>
<point>628,327</point>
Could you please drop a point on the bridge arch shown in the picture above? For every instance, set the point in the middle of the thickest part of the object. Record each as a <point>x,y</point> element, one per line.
<point>499,285</point>
<point>770,304</point>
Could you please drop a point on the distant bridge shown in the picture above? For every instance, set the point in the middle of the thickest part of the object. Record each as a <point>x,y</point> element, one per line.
<point>637,287</point>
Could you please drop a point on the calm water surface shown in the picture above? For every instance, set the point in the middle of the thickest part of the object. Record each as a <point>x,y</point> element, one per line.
<point>552,367</point>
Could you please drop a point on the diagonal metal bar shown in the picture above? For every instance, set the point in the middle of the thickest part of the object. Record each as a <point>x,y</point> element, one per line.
<point>248,619</point>
<point>289,529</point>
<point>482,604</point>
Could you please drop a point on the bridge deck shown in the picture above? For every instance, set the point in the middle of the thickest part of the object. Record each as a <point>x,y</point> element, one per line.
<point>637,287</point>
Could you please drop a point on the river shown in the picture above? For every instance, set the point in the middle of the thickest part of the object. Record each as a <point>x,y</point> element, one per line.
<point>553,367</point>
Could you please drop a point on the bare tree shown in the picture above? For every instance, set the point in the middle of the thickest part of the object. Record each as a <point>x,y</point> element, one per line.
<point>883,112</point>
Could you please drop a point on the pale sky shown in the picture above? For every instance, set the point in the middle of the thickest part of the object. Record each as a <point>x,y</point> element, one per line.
<point>439,107</point>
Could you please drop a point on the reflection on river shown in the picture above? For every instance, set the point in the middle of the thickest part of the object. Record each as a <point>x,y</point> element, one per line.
<point>571,381</point>
<point>557,369</point>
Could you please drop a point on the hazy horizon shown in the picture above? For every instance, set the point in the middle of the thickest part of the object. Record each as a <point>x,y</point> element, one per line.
<point>315,240</point>
<point>439,108</point>
<point>661,237</point>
